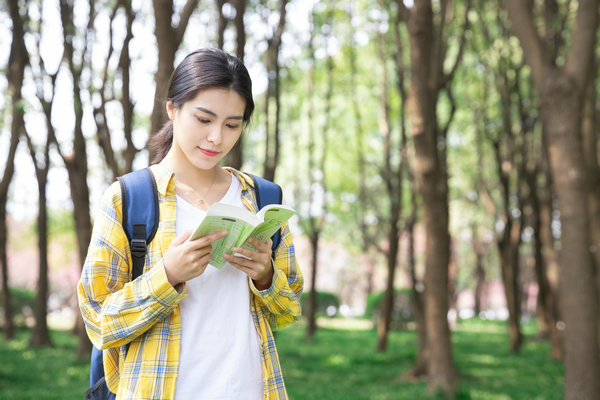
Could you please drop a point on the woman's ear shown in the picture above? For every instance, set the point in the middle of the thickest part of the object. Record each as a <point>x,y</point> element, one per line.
<point>170,110</point>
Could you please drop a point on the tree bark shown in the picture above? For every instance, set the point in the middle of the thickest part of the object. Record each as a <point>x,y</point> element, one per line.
<point>562,92</point>
<point>9,169</point>
<point>508,247</point>
<point>367,240</point>
<point>547,318</point>
<point>432,186</point>
<point>313,225</point>
<point>271,60</point>
<point>221,24</point>
<point>311,318</point>
<point>590,146</point>
<point>128,154</point>
<point>40,336</point>
<point>118,162</point>
<point>76,162</point>
<point>18,60</point>
<point>235,158</point>
<point>391,175</point>
<point>168,39</point>
<point>550,255</point>
<point>479,274</point>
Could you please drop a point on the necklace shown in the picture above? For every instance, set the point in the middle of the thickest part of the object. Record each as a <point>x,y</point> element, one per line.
<point>190,193</point>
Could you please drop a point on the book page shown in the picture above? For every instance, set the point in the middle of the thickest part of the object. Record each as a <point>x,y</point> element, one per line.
<point>238,232</point>
<point>274,217</point>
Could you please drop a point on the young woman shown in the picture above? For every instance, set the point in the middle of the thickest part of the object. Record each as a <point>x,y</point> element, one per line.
<point>193,331</point>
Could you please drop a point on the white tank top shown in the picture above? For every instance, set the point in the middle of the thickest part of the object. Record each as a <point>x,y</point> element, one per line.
<point>220,351</point>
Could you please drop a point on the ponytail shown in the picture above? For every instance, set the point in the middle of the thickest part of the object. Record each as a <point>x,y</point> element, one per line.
<point>160,143</point>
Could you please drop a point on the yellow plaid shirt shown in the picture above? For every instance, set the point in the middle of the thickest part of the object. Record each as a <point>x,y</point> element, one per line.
<point>145,313</point>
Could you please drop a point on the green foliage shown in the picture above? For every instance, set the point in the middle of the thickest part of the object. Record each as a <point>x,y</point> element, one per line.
<point>402,312</point>
<point>61,227</point>
<point>325,300</point>
<point>22,302</point>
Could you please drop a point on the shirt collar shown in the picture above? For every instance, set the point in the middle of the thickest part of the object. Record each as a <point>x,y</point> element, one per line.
<point>164,178</point>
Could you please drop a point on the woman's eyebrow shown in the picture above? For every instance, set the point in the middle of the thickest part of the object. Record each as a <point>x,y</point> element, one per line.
<point>209,112</point>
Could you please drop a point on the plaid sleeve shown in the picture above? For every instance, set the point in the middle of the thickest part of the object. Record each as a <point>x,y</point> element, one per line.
<point>282,298</point>
<point>114,309</point>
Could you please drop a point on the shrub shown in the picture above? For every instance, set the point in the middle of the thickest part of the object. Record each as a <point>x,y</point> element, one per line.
<point>23,303</point>
<point>327,303</point>
<point>402,311</point>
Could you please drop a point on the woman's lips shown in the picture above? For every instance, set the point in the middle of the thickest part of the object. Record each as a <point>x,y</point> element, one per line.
<point>209,153</point>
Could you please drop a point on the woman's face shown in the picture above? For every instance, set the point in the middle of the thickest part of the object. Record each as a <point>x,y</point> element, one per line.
<point>206,127</point>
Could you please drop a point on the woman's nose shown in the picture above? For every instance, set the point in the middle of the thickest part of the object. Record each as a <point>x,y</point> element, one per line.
<point>215,134</point>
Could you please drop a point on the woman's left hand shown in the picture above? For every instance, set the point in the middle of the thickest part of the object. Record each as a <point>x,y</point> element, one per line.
<point>256,264</point>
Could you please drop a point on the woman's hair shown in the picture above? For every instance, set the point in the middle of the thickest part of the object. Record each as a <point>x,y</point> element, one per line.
<point>202,69</point>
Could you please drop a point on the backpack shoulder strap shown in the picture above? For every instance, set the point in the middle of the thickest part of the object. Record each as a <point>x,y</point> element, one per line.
<point>268,192</point>
<point>139,203</point>
<point>139,199</point>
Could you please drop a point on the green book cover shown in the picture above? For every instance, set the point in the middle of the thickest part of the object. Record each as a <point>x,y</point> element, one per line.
<point>240,224</point>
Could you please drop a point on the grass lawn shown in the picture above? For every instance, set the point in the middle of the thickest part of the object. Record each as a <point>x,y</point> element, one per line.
<point>343,365</point>
<point>337,364</point>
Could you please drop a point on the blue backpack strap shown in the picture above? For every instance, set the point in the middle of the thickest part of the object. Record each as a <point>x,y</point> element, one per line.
<point>139,197</point>
<point>139,200</point>
<point>268,192</point>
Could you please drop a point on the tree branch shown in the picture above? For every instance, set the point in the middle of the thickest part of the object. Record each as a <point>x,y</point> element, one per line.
<point>403,12</point>
<point>184,18</point>
<point>583,42</point>
<point>461,49</point>
<point>535,53</point>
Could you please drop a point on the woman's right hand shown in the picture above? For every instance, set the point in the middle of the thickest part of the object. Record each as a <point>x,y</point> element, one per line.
<point>187,260</point>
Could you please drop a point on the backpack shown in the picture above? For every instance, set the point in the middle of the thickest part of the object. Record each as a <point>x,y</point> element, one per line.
<point>139,199</point>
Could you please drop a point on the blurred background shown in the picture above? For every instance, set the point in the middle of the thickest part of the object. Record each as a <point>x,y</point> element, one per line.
<point>442,157</point>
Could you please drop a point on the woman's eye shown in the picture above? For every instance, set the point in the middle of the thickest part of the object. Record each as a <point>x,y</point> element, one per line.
<point>203,120</point>
<point>232,126</point>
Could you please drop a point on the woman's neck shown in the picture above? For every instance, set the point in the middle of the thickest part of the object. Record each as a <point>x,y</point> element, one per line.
<point>189,175</point>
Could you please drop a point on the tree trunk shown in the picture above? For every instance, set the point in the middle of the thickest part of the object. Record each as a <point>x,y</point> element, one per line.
<point>392,176</point>
<point>590,146</point>
<point>508,247</point>
<point>235,158</point>
<point>420,368</point>
<point>221,24</point>
<point>272,146</point>
<point>119,162</point>
<point>550,259</point>
<point>478,249</point>
<point>76,162</point>
<point>313,225</point>
<point>432,186</point>
<point>311,318</point>
<point>9,323</point>
<point>127,105</point>
<point>387,306</point>
<point>167,47</point>
<point>546,315</point>
<point>562,92</point>
<point>367,242</point>
<point>18,60</point>
<point>168,38</point>
<point>579,291</point>
<point>40,336</point>
<point>240,28</point>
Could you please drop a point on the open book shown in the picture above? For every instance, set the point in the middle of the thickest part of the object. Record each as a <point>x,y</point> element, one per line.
<point>241,224</point>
